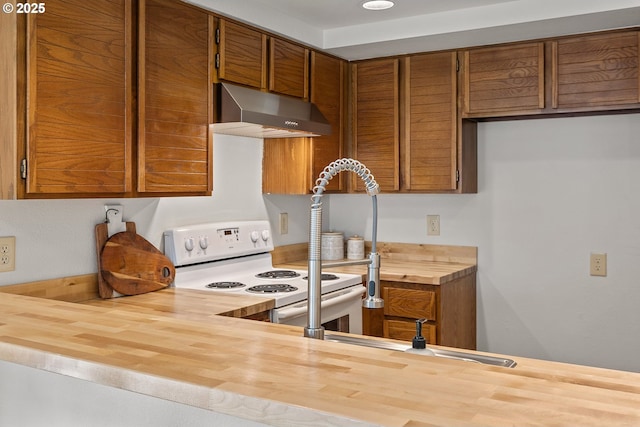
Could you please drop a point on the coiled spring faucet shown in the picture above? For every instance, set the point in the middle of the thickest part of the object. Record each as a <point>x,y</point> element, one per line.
<point>314,328</point>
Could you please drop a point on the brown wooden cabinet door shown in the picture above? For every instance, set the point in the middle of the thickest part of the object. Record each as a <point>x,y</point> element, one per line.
<point>411,303</point>
<point>328,94</point>
<point>242,55</point>
<point>429,155</point>
<point>376,121</point>
<point>405,330</point>
<point>596,70</point>
<point>504,80</point>
<point>174,151</point>
<point>80,98</point>
<point>288,68</point>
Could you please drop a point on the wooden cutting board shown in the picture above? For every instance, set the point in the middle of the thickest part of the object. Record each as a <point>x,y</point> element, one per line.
<point>129,264</point>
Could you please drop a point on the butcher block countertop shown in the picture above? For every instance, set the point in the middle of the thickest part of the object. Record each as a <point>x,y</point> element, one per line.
<point>431,273</point>
<point>400,262</point>
<point>271,373</point>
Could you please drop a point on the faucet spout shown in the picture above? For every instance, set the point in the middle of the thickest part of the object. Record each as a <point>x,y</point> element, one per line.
<point>314,328</point>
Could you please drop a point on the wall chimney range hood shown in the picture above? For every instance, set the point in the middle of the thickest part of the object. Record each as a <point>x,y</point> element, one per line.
<point>249,112</point>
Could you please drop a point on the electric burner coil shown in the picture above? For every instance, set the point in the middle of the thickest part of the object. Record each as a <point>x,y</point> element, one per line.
<point>272,288</point>
<point>278,274</point>
<point>324,276</point>
<point>225,285</point>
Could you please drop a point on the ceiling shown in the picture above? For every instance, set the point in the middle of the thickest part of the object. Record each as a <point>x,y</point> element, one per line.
<point>345,29</point>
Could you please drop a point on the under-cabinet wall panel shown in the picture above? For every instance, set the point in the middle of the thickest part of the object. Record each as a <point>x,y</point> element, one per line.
<point>285,166</point>
<point>174,147</point>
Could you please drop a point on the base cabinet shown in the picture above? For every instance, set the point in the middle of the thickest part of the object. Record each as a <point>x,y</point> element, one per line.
<point>449,310</point>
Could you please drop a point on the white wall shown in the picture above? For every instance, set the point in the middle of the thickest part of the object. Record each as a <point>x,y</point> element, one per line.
<point>550,192</point>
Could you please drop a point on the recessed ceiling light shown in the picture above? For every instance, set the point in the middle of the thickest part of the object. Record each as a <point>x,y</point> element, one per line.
<point>377,4</point>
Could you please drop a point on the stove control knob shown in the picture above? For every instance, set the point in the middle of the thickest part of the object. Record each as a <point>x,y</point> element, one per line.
<point>265,235</point>
<point>254,236</point>
<point>188,244</point>
<point>204,242</point>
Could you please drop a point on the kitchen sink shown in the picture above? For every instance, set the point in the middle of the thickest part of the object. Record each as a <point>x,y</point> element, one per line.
<point>430,351</point>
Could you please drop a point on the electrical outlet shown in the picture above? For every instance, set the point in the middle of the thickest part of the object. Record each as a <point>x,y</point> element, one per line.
<point>7,253</point>
<point>598,265</point>
<point>433,225</point>
<point>284,223</point>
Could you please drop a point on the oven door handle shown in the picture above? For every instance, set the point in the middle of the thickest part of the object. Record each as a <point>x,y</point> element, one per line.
<point>297,309</point>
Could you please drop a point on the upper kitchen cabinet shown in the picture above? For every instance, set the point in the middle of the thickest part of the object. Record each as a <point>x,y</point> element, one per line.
<point>175,99</point>
<point>8,106</point>
<point>328,93</point>
<point>598,71</point>
<point>249,57</point>
<point>504,80</point>
<point>305,158</point>
<point>406,125</point>
<point>376,133</point>
<point>242,54</point>
<point>429,135</point>
<point>78,96</point>
<point>288,68</point>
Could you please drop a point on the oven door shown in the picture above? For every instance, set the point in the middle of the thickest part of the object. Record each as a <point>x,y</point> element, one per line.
<point>341,311</point>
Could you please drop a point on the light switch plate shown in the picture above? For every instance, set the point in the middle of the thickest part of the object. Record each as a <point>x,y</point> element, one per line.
<point>284,223</point>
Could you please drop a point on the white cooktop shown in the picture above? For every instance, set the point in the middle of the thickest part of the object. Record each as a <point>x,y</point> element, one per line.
<point>237,252</point>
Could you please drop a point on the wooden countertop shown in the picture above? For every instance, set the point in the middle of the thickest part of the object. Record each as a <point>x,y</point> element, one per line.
<point>426,273</point>
<point>400,262</point>
<point>257,370</point>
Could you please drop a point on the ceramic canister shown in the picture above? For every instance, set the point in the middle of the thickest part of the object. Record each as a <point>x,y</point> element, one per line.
<point>332,246</point>
<point>355,247</point>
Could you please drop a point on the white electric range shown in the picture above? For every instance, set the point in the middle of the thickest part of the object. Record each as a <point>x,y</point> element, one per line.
<point>235,257</point>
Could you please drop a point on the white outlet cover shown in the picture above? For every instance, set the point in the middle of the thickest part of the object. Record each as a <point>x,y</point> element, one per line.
<point>433,225</point>
<point>7,253</point>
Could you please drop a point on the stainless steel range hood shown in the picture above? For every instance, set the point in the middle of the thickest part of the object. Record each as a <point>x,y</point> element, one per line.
<point>249,112</point>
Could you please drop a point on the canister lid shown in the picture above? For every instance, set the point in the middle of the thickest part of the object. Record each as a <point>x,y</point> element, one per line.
<point>356,237</point>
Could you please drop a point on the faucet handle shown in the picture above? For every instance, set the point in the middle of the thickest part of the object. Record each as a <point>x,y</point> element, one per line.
<point>418,341</point>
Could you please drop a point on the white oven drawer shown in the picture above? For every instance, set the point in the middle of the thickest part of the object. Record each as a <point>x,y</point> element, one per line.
<point>335,305</point>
